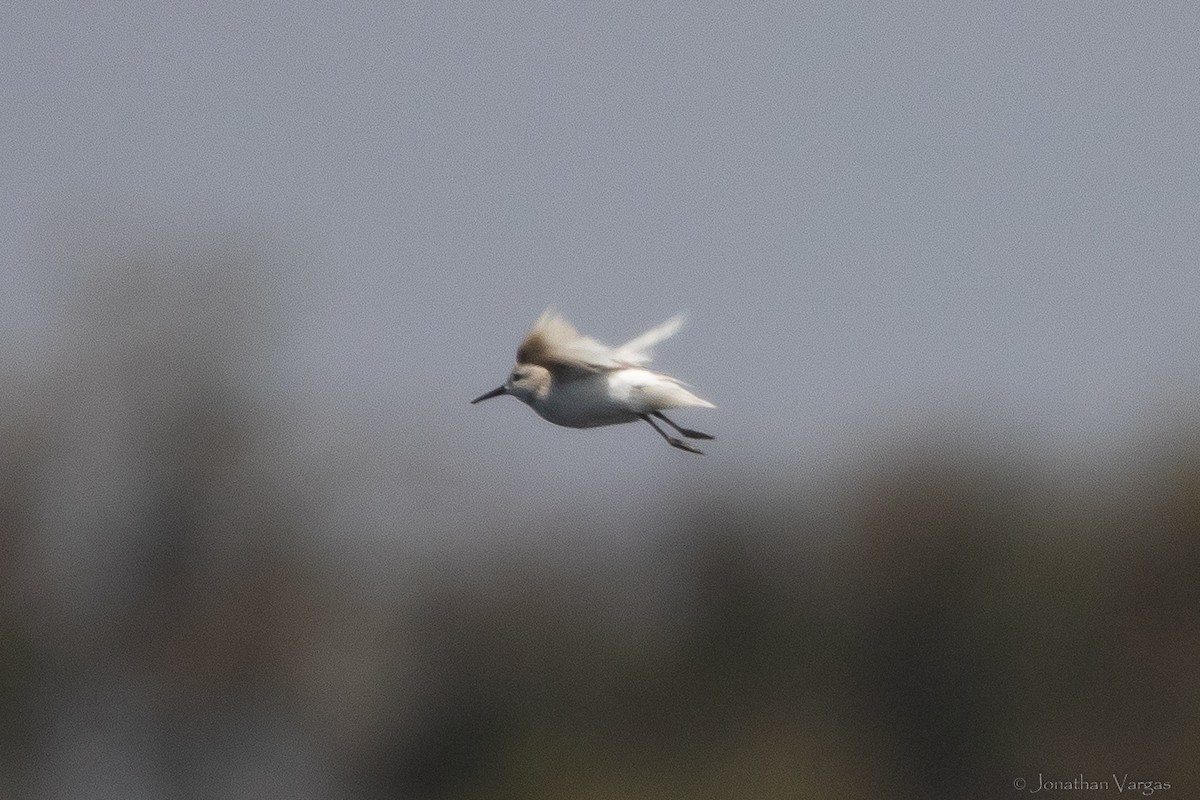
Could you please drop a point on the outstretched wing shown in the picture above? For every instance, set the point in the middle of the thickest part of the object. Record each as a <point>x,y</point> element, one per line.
<point>636,351</point>
<point>555,344</point>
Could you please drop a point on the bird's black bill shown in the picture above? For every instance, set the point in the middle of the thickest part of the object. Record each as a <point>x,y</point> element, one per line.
<point>489,395</point>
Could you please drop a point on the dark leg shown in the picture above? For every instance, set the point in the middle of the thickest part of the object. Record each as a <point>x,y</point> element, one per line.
<point>688,432</point>
<point>671,440</point>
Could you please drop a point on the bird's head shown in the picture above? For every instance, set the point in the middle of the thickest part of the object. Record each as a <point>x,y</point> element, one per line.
<point>526,382</point>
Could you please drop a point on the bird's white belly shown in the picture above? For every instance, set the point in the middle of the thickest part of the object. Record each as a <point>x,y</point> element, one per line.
<point>584,403</point>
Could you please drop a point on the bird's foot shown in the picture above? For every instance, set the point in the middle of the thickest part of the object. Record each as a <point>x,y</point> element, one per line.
<point>682,445</point>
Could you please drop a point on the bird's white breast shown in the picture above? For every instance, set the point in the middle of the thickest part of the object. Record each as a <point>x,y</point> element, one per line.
<point>586,402</point>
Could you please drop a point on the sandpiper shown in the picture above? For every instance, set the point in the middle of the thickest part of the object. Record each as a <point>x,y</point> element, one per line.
<point>573,380</point>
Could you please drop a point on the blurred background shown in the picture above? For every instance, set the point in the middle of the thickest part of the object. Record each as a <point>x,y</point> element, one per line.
<point>940,269</point>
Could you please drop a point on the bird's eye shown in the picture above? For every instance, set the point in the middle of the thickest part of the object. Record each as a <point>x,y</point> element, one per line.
<point>516,376</point>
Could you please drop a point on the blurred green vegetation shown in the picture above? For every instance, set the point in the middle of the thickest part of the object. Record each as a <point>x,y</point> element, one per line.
<point>932,622</point>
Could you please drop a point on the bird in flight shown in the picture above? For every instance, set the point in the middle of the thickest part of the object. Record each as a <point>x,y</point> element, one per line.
<point>575,381</point>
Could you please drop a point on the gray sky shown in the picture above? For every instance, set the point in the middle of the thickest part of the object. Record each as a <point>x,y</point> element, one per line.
<point>960,211</point>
